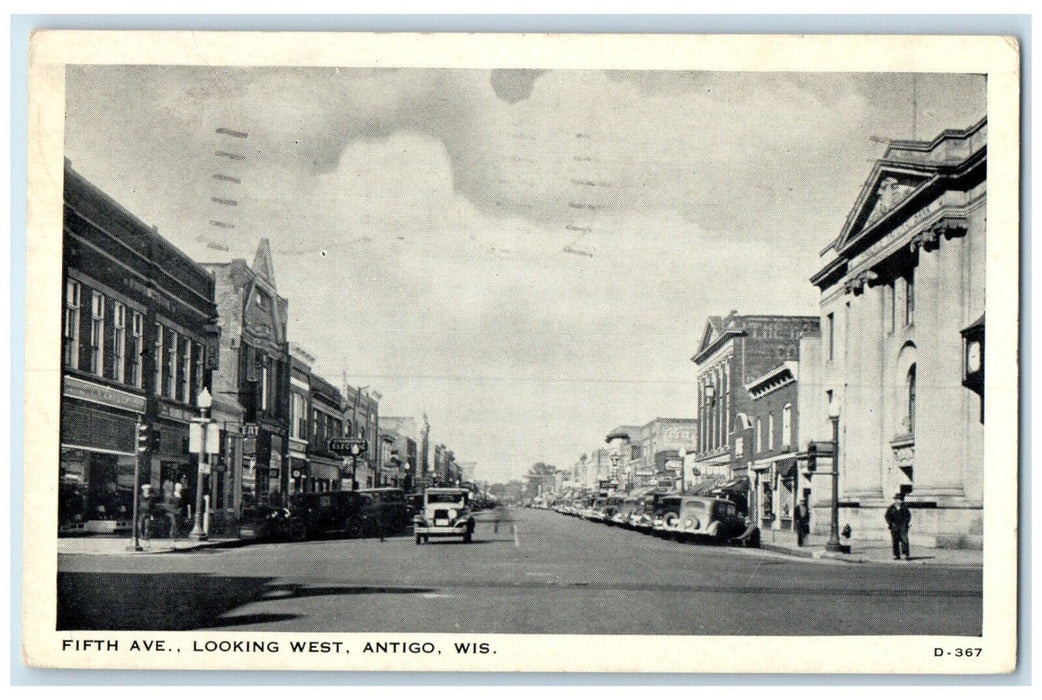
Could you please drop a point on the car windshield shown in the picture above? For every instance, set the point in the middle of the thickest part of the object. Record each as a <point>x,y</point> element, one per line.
<point>668,504</point>
<point>454,498</point>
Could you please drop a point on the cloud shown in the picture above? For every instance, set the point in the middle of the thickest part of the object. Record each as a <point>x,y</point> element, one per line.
<point>514,85</point>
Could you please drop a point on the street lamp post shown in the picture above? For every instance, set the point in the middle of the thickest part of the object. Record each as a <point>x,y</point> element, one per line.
<point>833,545</point>
<point>204,402</point>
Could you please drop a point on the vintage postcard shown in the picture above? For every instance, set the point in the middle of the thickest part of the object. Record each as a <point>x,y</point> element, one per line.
<point>522,353</point>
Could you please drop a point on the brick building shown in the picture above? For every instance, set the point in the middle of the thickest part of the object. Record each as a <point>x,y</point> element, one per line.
<point>255,372</point>
<point>735,351</point>
<point>327,421</point>
<point>138,346</point>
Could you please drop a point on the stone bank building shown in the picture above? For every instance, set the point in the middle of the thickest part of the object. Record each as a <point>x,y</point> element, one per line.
<point>902,336</point>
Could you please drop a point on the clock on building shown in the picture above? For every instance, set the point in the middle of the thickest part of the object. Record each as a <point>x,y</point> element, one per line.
<point>973,359</point>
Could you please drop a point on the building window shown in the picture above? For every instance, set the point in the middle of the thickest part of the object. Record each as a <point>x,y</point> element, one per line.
<point>170,366</point>
<point>889,306</point>
<point>197,354</point>
<point>298,416</point>
<point>265,394</point>
<point>137,324</point>
<point>759,435</point>
<point>157,360</point>
<point>184,388</point>
<point>315,427</point>
<point>724,407</point>
<point>71,324</point>
<point>97,332</point>
<point>909,298</point>
<point>787,425</point>
<point>770,431</point>
<point>911,400</point>
<point>830,332</point>
<point>119,341</point>
<point>262,301</point>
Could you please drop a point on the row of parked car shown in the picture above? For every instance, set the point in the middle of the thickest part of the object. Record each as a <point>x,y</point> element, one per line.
<point>669,515</point>
<point>368,513</point>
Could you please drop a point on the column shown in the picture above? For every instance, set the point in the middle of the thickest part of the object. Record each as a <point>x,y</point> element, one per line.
<point>862,410</point>
<point>940,431</point>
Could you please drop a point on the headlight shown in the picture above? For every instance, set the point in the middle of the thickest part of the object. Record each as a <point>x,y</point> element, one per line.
<point>688,523</point>
<point>453,512</point>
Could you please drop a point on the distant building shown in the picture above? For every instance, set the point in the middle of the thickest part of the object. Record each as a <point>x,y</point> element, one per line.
<point>299,420</point>
<point>416,432</point>
<point>902,316</point>
<point>327,421</point>
<point>361,413</point>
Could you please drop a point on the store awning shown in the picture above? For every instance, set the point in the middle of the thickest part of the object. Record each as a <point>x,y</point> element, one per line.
<point>785,467</point>
<point>739,486</point>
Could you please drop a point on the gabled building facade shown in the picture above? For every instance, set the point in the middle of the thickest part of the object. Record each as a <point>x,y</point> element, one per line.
<point>735,351</point>
<point>255,371</point>
<point>902,297</point>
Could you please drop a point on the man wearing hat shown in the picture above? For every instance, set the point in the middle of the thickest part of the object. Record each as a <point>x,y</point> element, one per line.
<point>899,520</point>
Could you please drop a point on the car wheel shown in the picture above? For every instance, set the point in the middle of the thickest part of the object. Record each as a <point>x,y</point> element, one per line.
<point>296,531</point>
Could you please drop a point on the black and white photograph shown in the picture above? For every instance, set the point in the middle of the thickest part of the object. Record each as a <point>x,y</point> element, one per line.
<point>499,353</point>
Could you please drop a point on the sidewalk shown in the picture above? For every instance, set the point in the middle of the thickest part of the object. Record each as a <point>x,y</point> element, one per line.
<point>120,545</point>
<point>870,552</point>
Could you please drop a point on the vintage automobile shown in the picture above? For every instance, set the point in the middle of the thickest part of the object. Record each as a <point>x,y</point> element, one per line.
<point>446,513</point>
<point>596,510</point>
<point>310,514</point>
<point>392,510</point>
<point>702,518</point>
<point>624,514</point>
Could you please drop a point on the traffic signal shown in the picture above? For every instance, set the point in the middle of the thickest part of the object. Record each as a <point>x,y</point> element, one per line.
<point>812,456</point>
<point>143,437</point>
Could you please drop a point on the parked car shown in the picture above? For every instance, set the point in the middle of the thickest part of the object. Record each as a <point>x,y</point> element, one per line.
<point>391,509</point>
<point>348,512</point>
<point>446,513</point>
<point>711,519</point>
<point>623,515</point>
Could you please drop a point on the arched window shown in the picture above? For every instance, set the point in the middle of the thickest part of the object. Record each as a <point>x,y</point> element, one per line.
<point>347,428</point>
<point>787,425</point>
<point>910,380</point>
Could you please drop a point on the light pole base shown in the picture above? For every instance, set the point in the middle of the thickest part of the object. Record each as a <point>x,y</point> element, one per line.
<point>837,548</point>
<point>197,534</point>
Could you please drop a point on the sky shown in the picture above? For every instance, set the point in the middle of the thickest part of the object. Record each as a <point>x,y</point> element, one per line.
<point>528,257</point>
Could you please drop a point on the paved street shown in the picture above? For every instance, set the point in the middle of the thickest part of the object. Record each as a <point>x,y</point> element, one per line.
<point>541,573</point>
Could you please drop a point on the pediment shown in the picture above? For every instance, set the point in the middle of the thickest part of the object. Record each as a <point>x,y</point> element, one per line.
<point>883,193</point>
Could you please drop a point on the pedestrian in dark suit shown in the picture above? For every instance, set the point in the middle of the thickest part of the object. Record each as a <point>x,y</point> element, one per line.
<point>802,521</point>
<point>899,520</point>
